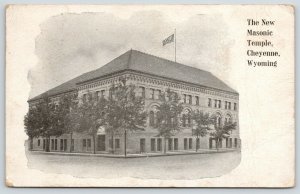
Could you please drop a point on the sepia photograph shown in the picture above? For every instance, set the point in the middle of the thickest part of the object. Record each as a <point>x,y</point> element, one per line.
<point>156,96</point>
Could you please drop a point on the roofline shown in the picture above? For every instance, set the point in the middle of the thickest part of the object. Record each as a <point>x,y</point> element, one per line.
<point>128,69</point>
<point>186,82</point>
<point>59,93</point>
<point>170,60</point>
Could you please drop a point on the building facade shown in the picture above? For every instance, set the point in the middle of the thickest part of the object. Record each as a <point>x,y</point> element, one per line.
<point>199,90</point>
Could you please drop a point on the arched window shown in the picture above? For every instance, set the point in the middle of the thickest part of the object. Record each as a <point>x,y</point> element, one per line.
<point>151,119</point>
<point>189,120</point>
<point>173,121</point>
<point>184,120</point>
<point>84,98</point>
<point>228,119</point>
<point>218,119</point>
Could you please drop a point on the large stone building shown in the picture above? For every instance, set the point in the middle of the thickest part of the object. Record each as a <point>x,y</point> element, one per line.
<point>198,89</point>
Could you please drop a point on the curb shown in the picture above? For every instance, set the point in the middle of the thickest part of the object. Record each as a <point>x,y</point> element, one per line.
<point>133,156</point>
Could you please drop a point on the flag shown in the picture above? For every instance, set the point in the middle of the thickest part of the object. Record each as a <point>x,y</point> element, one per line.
<point>168,40</point>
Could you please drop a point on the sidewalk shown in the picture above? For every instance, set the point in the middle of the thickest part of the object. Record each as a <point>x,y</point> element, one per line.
<point>142,155</point>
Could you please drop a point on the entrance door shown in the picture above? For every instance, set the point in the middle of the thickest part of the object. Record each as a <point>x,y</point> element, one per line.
<point>142,145</point>
<point>101,143</point>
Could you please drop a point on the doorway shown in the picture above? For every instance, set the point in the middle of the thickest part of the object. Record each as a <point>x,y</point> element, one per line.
<point>101,143</point>
<point>142,145</point>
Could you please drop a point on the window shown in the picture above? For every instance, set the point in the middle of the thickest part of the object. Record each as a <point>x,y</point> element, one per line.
<point>142,91</point>
<point>84,98</point>
<point>151,119</point>
<point>190,99</point>
<point>210,143</point>
<point>173,123</point>
<point>89,143</point>
<point>185,143</point>
<point>157,94</point>
<point>225,104</point>
<point>219,119</point>
<point>155,120</point>
<point>142,145</point>
<point>152,144</point>
<point>234,106</point>
<point>39,142</point>
<point>229,105</point>
<point>184,98</point>
<point>52,144</point>
<point>65,145</point>
<point>235,142</point>
<point>55,144</point>
<point>209,102</point>
<point>72,145</point>
<point>102,93</point>
<point>175,143</point>
<point>197,143</point>
<point>168,98</point>
<point>216,102</point>
<point>184,120</point>
<point>197,100</point>
<point>111,92</point>
<point>61,144</point>
<point>97,95</point>
<point>44,144</point>
<point>84,143</point>
<point>151,93</point>
<point>230,142</point>
<point>159,144</point>
<point>189,124</point>
<point>220,105</point>
<point>170,143</point>
<point>117,143</point>
<point>190,143</point>
<point>227,143</point>
<point>110,142</point>
<point>228,118</point>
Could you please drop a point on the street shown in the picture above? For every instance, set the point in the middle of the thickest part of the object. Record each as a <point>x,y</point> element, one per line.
<point>165,167</point>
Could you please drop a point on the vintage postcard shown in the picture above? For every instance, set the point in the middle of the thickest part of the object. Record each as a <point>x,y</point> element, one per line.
<point>150,96</point>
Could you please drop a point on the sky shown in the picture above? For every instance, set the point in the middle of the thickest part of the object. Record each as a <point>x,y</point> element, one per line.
<point>70,44</point>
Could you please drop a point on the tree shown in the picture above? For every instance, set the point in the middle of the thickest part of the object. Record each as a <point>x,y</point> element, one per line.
<point>92,116</point>
<point>125,111</point>
<point>52,117</point>
<point>168,115</point>
<point>69,108</point>
<point>201,125</point>
<point>222,131</point>
<point>44,119</point>
<point>32,124</point>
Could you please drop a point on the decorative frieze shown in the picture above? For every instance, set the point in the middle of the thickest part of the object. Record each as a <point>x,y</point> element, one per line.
<point>153,80</point>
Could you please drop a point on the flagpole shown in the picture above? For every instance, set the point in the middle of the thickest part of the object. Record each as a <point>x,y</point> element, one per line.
<point>175,44</point>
